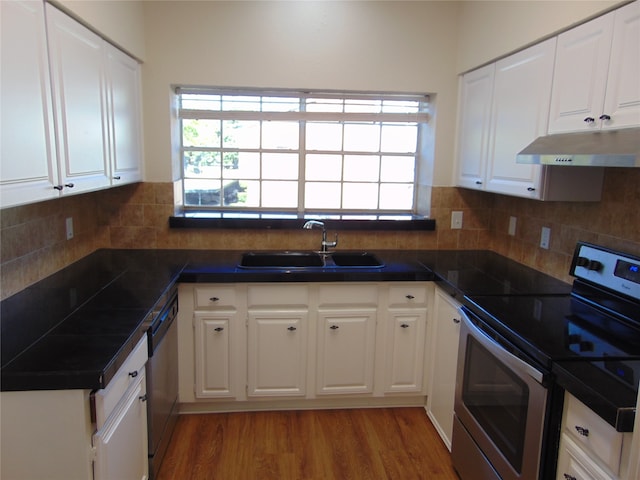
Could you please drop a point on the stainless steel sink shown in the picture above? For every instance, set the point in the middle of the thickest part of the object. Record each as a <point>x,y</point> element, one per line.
<point>308,260</point>
<point>281,260</point>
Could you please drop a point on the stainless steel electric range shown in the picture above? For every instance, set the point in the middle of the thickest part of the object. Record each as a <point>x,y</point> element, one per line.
<point>518,353</point>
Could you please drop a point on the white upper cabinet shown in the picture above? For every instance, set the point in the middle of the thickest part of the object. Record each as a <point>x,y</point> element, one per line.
<point>622,100</point>
<point>519,113</point>
<point>28,165</point>
<point>79,88</point>
<point>476,89</point>
<point>504,107</point>
<point>597,74</point>
<point>125,121</point>
<point>71,109</point>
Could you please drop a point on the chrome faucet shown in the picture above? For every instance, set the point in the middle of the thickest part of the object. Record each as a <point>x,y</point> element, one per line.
<point>324,245</point>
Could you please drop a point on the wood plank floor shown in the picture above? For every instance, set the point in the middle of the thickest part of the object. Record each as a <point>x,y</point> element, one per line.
<point>359,444</point>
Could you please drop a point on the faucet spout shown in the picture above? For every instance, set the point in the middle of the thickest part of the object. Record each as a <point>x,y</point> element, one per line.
<point>324,246</point>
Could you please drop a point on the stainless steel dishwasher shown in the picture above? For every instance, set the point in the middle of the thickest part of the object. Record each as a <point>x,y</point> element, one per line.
<point>162,379</point>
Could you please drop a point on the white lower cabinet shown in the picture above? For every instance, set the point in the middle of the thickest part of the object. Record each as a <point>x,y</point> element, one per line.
<point>590,448</point>
<point>277,353</point>
<point>346,342</point>
<point>406,325</point>
<point>214,363</point>
<point>289,342</point>
<point>443,363</point>
<point>105,441</point>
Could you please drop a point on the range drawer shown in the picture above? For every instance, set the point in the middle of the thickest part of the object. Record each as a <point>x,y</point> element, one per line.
<point>105,400</point>
<point>592,433</point>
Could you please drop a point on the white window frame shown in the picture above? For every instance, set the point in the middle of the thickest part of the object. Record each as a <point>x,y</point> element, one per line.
<point>420,118</point>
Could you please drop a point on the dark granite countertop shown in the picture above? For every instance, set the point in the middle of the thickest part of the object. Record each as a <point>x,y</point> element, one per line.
<point>74,329</point>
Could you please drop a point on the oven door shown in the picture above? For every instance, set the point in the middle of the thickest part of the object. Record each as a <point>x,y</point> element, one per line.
<point>500,406</point>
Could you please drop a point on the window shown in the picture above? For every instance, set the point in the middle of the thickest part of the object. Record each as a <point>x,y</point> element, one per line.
<point>300,152</point>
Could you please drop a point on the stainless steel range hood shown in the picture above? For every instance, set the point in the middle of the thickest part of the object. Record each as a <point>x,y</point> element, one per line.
<point>607,148</point>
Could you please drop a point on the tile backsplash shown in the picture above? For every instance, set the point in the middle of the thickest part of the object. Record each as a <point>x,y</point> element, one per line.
<point>33,244</point>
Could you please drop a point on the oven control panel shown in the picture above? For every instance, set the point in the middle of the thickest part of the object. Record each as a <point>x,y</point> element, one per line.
<point>613,270</point>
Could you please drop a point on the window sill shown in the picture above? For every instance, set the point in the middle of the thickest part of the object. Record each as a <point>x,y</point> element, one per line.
<point>218,220</point>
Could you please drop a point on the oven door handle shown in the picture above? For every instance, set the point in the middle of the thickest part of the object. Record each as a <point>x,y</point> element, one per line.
<point>499,351</point>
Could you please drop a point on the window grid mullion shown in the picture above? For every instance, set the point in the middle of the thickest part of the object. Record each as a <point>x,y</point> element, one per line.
<point>303,115</point>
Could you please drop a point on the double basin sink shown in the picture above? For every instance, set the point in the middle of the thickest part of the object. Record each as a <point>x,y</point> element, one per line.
<point>309,260</point>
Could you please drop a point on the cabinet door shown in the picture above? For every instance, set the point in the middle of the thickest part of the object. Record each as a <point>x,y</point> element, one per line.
<point>622,100</point>
<point>443,364</point>
<point>519,115</point>
<point>346,342</point>
<point>277,353</point>
<point>473,128</point>
<point>404,364</point>
<point>214,365</point>
<point>125,120</point>
<point>28,169</point>
<point>121,445</point>
<point>580,76</point>
<point>77,62</point>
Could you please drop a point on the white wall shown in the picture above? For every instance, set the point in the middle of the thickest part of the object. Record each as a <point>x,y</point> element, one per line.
<point>491,29</point>
<point>344,45</point>
<point>120,22</point>
<point>370,46</point>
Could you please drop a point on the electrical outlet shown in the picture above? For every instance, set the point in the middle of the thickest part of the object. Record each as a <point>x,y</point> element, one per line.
<point>545,236</point>
<point>69,228</point>
<point>512,226</point>
<point>456,220</point>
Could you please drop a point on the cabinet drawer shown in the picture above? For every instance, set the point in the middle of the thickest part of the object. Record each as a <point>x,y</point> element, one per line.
<point>105,400</point>
<point>215,297</point>
<point>573,463</point>
<point>291,296</point>
<point>350,295</point>
<point>594,434</point>
<point>407,296</point>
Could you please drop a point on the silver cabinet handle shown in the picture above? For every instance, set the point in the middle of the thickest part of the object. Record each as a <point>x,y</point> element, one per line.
<point>569,477</point>
<point>456,320</point>
<point>605,117</point>
<point>143,398</point>
<point>133,374</point>
<point>589,120</point>
<point>218,329</point>
<point>214,299</point>
<point>404,325</point>
<point>117,177</point>
<point>409,297</point>
<point>334,327</point>
<point>292,329</point>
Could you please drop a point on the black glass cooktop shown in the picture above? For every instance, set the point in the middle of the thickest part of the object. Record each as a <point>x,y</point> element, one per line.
<point>552,328</point>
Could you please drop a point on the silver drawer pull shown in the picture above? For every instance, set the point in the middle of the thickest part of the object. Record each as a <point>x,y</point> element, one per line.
<point>582,431</point>
<point>143,398</point>
<point>218,329</point>
<point>456,320</point>
<point>133,374</point>
<point>334,327</point>
<point>214,299</point>
<point>404,325</point>
<point>292,329</point>
<point>409,297</point>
